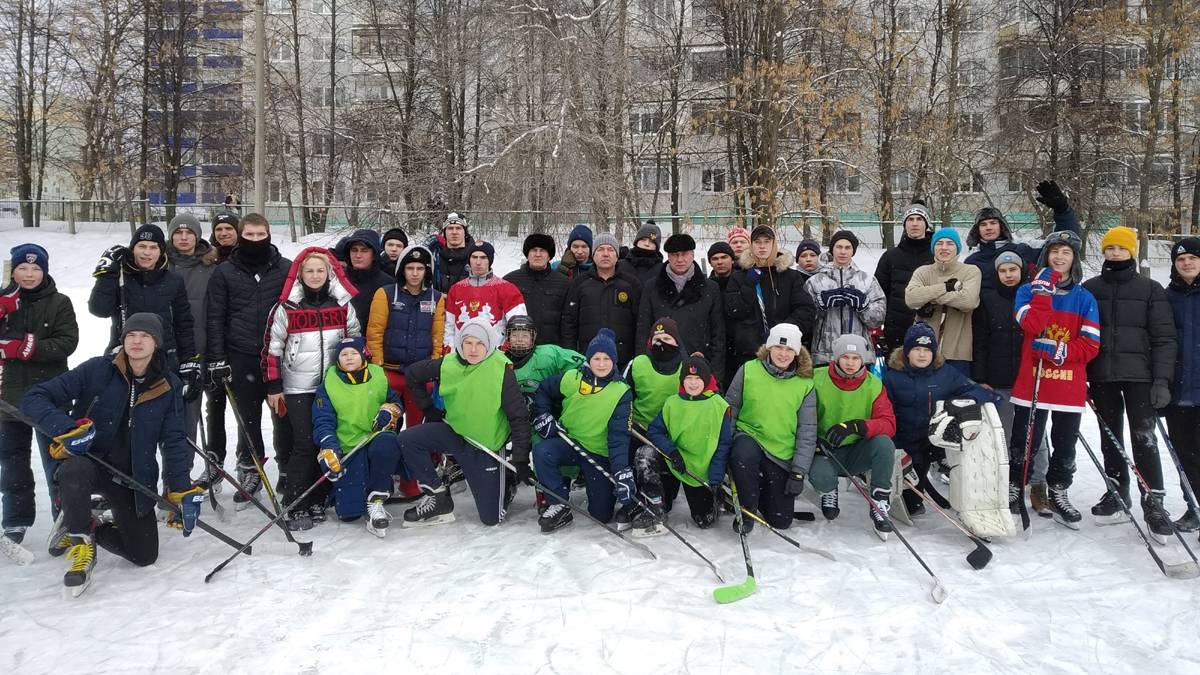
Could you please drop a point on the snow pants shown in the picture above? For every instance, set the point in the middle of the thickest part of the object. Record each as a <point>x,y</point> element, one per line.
<point>301,468</point>
<point>214,418</point>
<point>1115,400</point>
<point>877,455</point>
<point>761,483</point>
<point>368,470</point>
<point>484,473</point>
<point>553,453</point>
<point>1063,430</point>
<point>412,417</point>
<point>16,473</point>
<point>661,486</point>
<point>131,536</point>
<point>1041,462</point>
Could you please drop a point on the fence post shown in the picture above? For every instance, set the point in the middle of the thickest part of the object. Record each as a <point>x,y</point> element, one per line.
<point>70,216</point>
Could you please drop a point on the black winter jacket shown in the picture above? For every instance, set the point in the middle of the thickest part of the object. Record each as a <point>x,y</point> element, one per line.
<point>1185,304</point>
<point>449,264</point>
<point>642,264</point>
<point>985,257</point>
<point>239,301</point>
<point>366,282</point>
<point>50,316</point>
<point>996,335</point>
<point>783,296</point>
<point>545,293</point>
<point>1137,327</point>
<point>594,303</point>
<point>158,291</point>
<point>697,309</point>
<point>893,272</point>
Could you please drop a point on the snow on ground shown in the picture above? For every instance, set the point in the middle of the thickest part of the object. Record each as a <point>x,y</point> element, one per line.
<point>466,598</point>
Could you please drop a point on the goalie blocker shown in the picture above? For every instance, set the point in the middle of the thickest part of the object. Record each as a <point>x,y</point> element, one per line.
<point>977,454</point>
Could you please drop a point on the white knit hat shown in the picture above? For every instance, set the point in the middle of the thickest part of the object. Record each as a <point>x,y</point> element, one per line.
<point>785,335</point>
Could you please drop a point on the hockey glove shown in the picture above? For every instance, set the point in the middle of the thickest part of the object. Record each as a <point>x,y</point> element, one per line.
<point>676,461</point>
<point>1050,350</point>
<point>10,301</point>
<point>1051,195</point>
<point>953,285</point>
<point>219,374</point>
<point>18,348</point>
<point>546,426</point>
<point>189,372</point>
<point>75,442</point>
<point>1160,395</point>
<point>1045,282</point>
<point>838,433</point>
<point>388,417</point>
<point>189,502</point>
<point>111,261</point>
<point>331,463</point>
<point>855,299</point>
<point>795,484</point>
<point>625,488</point>
<point>524,472</point>
<point>834,297</point>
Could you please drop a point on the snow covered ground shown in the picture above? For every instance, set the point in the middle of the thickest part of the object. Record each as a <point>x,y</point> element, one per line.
<point>466,598</point>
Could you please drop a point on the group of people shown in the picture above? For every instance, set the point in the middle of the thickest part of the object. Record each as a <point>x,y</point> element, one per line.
<point>400,372</point>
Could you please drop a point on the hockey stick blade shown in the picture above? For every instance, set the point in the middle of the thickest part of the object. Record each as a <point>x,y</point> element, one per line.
<point>977,559</point>
<point>938,593</point>
<point>804,516</point>
<point>727,594</point>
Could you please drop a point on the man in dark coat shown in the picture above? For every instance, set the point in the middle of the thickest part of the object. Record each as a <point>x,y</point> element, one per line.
<point>545,292</point>
<point>364,252</point>
<point>451,249</point>
<point>643,260</point>
<point>679,290</point>
<point>194,260</point>
<point>602,297</point>
<point>991,233</point>
<point>721,260</point>
<point>241,293</point>
<point>895,269</point>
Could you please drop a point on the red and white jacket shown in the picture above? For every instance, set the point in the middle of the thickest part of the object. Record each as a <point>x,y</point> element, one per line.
<point>489,297</point>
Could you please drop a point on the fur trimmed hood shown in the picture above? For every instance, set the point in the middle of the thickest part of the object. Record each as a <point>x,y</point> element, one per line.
<point>783,260</point>
<point>340,288</point>
<point>802,366</point>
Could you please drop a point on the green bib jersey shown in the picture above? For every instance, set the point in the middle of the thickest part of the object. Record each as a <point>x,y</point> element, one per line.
<point>651,389</point>
<point>355,403</point>
<point>586,416</point>
<point>835,405</point>
<point>695,428</point>
<point>472,398</point>
<point>769,408</point>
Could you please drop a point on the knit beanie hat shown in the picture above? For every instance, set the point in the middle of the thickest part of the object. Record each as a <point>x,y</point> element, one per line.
<point>358,344</point>
<point>538,240</point>
<point>666,325</point>
<point>605,341</point>
<point>454,219</point>
<point>1007,257</point>
<point>920,334</point>
<point>737,232</point>
<point>187,221</point>
<point>785,335</point>
<point>146,322</point>
<point>852,344</point>
<point>808,245</point>
<point>651,231</point>
<point>480,329</point>
<point>225,218</point>
<point>606,239</point>
<point>32,254</point>
<point>720,247</point>
<point>150,233</point>
<point>946,233</point>
<point>696,366</point>
<point>918,208</point>
<point>582,233</point>
<point>485,248</point>
<point>848,236</point>
<point>1121,236</point>
<point>395,233</point>
<point>1189,245</point>
<point>679,243</point>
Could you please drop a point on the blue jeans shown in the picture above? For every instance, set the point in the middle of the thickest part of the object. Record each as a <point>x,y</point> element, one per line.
<point>16,473</point>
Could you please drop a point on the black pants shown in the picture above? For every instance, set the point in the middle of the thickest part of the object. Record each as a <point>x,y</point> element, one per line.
<point>301,468</point>
<point>761,483</point>
<point>250,393</point>
<point>214,423</point>
<point>483,472</point>
<point>1063,430</point>
<point>16,473</point>
<point>132,536</point>
<point>662,487</point>
<point>1183,426</point>
<point>1113,401</point>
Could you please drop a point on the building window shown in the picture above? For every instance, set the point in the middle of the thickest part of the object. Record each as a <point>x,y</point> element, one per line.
<point>280,51</point>
<point>658,13</point>
<point>279,7</point>
<point>321,144</point>
<point>845,180</point>
<point>970,184</point>
<point>324,7</point>
<point>971,73</point>
<point>706,13</point>
<point>1016,182</point>
<point>275,191</point>
<point>972,125</point>
<point>712,180</point>
<point>645,122</point>
<point>902,181</point>
<point>653,177</point>
<point>708,66</point>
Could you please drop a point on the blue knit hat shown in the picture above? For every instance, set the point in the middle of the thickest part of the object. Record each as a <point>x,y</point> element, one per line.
<point>920,334</point>
<point>946,233</point>
<point>483,247</point>
<point>605,341</point>
<point>358,344</point>
<point>582,233</point>
<point>30,253</point>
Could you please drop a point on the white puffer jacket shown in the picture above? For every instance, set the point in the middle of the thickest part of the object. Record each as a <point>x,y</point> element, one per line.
<point>302,337</point>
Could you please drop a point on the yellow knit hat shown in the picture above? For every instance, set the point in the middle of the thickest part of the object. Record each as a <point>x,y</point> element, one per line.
<point>1121,236</point>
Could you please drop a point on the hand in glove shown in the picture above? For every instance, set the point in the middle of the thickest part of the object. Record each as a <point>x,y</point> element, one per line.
<point>567,261</point>
<point>330,460</point>
<point>625,488</point>
<point>219,374</point>
<point>189,502</point>
<point>831,298</point>
<point>77,441</point>
<point>1050,350</point>
<point>1051,195</point>
<point>676,461</point>
<point>795,484</point>
<point>838,433</point>
<point>10,301</point>
<point>189,372</point>
<point>1160,395</point>
<point>953,285</point>
<point>926,310</point>
<point>110,261</point>
<point>546,426</point>
<point>1045,282</point>
<point>524,472</point>
<point>18,348</point>
<point>854,298</point>
<point>388,417</point>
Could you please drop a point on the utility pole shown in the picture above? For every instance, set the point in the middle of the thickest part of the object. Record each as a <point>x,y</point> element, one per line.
<point>260,102</point>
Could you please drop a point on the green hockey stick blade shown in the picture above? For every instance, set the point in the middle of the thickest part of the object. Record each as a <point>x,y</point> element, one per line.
<point>727,594</point>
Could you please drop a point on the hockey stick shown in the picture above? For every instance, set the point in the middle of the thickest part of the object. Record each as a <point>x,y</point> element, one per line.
<point>212,492</point>
<point>642,548</point>
<point>1185,570</point>
<point>938,593</point>
<point>642,500</point>
<point>258,465</point>
<point>977,559</point>
<point>1112,437</point>
<point>1184,483</point>
<point>727,594</point>
<point>738,508</point>
<point>126,480</point>
<point>278,520</point>
<point>1037,383</point>
<point>304,547</point>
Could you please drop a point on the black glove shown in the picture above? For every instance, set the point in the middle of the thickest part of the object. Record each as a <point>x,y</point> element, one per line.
<point>926,310</point>
<point>1051,195</point>
<point>831,298</point>
<point>524,472</point>
<point>1160,395</point>
<point>433,414</point>
<point>952,285</point>
<point>189,372</point>
<point>110,260</point>
<point>795,484</point>
<point>219,373</point>
<point>676,461</point>
<point>838,433</point>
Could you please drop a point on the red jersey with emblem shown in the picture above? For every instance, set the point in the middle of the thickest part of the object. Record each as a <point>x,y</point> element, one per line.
<point>1072,318</point>
<point>489,297</point>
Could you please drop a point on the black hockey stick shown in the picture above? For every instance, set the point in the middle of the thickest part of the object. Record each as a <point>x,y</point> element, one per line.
<point>977,559</point>
<point>203,454</point>
<point>1184,483</point>
<point>938,592</point>
<point>258,465</point>
<point>1037,382</point>
<point>642,548</point>
<point>129,481</point>
<point>1187,570</point>
<point>641,499</point>
<point>738,508</point>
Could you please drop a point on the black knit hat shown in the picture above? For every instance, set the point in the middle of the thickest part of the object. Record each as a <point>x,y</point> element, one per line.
<point>696,366</point>
<point>395,233</point>
<point>720,247</point>
<point>808,245</point>
<point>484,247</point>
<point>679,243</point>
<point>146,322</point>
<point>1189,245</point>
<point>225,218</point>
<point>150,233</point>
<point>844,234</point>
<point>538,240</point>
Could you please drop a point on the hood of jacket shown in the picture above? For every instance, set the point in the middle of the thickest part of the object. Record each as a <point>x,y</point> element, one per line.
<point>206,254</point>
<point>783,260</point>
<point>340,288</point>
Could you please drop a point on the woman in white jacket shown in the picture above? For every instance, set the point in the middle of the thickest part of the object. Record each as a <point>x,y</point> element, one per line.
<point>302,337</point>
<point>849,301</point>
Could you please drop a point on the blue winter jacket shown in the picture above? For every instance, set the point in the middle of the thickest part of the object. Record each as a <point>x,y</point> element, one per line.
<point>549,398</point>
<point>408,336</point>
<point>1185,305</point>
<point>985,256</point>
<point>100,389</point>
<point>914,392</point>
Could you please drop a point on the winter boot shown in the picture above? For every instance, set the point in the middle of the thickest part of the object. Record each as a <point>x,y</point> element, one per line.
<point>281,483</point>
<point>81,558</point>
<point>298,519</point>
<point>250,483</point>
<point>706,520</point>
<point>1158,521</point>
<point>1039,499</point>
<point>1064,513</point>
<point>211,476</point>
<point>829,504</point>
<point>377,515</point>
<point>434,508</point>
<point>625,516</point>
<point>15,534</point>
<point>882,500</point>
<point>747,523</point>
<point>1188,522</point>
<point>1109,511</point>
<point>317,513</point>
<point>556,517</point>
<point>913,502</point>
<point>59,541</point>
